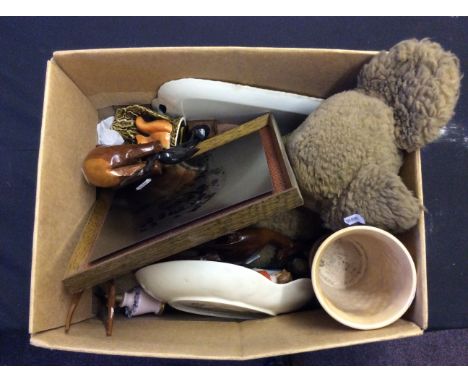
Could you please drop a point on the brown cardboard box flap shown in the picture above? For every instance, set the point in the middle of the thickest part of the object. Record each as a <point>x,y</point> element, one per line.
<point>415,240</point>
<point>62,198</point>
<point>103,75</point>
<point>186,337</point>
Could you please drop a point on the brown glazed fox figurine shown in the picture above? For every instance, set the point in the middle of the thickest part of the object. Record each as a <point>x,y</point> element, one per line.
<point>108,166</point>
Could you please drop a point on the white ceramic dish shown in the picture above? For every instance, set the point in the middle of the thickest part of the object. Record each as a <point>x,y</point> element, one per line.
<point>221,289</point>
<point>206,99</point>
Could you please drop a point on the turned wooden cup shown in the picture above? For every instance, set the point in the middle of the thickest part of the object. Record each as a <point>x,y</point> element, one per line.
<point>363,277</point>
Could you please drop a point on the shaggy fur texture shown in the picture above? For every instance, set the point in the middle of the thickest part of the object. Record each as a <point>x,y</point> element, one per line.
<point>377,194</point>
<point>348,131</point>
<point>299,224</point>
<point>346,155</point>
<point>421,82</point>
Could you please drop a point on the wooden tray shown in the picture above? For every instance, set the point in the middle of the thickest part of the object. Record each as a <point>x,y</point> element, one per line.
<point>82,273</point>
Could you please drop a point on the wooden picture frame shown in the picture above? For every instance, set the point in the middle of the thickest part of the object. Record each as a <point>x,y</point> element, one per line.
<point>82,274</point>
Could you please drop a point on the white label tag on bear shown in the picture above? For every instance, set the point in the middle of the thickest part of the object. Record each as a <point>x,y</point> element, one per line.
<point>354,219</point>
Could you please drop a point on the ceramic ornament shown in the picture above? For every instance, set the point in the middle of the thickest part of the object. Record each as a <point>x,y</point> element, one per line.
<point>138,302</point>
<point>222,289</point>
<point>195,99</point>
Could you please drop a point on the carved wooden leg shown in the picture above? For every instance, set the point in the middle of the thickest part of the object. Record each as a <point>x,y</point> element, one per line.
<point>110,307</point>
<point>73,304</point>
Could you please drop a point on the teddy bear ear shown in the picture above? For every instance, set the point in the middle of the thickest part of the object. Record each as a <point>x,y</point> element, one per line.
<point>421,82</point>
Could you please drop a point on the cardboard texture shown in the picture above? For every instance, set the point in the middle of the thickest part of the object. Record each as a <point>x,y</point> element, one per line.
<point>80,86</point>
<point>415,241</point>
<point>63,198</point>
<point>185,337</point>
<point>104,74</point>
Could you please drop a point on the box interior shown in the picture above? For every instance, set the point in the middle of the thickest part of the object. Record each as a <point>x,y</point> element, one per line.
<point>80,88</point>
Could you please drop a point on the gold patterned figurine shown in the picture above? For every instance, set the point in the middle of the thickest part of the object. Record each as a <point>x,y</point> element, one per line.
<point>131,121</point>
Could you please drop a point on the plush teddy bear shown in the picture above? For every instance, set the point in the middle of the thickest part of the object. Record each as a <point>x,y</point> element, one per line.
<point>347,154</point>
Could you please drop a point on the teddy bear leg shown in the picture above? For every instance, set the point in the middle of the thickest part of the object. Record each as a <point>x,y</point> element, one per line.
<point>298,224</point>
<point>379,196</point>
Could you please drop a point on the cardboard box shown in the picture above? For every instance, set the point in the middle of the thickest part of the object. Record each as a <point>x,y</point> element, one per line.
<point>80,85</point>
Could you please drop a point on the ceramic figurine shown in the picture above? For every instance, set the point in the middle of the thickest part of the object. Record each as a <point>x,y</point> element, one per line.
<point>108,166</point>
<point>130,121</point>
<point>276,276</point>
<point>266,258</point>
<point>137,302</point>
<point>240,245</point>
<point>157,131</point>
<point>114,166</point>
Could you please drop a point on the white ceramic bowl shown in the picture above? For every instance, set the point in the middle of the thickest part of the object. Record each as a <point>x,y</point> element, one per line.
<point>221,289</point>
<point>206,99</point>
